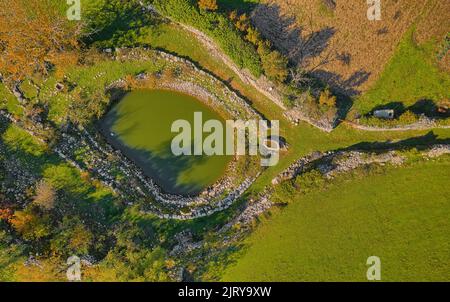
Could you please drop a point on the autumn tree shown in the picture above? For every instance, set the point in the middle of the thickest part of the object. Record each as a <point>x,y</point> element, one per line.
<point>45,195</point>
<point>274,64</point>
<point>35,36</point>
<point>83,109</point>
<point>31,223</point>
<point>243,22</point>
<point>73,237</point>
<point>327,99</point>
<point>5,214</point>
<point>210,5</point>
<point>253,35</point>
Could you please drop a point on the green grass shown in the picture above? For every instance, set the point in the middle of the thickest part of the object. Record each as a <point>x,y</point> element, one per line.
<point>8,101</point>
<point>28,90</point>
<point>302,139</point>
<point>410,76</point>
<point>19,140</point>
<point>175,39</point>
<point>400,216</point>
<point>38,160</point>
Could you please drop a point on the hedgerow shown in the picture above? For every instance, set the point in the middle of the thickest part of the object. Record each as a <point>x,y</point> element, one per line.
<point>216,26</point>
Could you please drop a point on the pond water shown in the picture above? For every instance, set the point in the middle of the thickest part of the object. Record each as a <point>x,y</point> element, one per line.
<point>140,126</point>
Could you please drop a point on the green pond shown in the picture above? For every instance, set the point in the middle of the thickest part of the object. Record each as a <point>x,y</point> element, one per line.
<point>140,126</point>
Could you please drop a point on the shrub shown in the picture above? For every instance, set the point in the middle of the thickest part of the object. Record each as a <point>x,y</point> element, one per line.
<point>218,27</point>
<point>253,36</point>
<point>210,5</point>
<point>327,99</point>
<point>275,66</point>
<point>408,118</point>
<point>309,181</point>
<point>31,224</point>
<point>243,23</point>
<point>72,237</point>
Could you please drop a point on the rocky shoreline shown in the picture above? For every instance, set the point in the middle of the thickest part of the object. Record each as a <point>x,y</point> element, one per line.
<point>100,159</point>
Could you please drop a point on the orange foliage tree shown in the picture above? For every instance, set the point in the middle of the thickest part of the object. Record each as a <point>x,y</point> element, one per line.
<point>35,35</point>
<point>208,4</point>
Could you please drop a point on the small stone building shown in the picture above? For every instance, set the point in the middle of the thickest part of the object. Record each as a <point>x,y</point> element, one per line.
<point>386,113</point>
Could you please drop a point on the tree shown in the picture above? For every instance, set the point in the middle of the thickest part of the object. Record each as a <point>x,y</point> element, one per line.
<point>243,23</point>
<point>210,5</point>
<point>327,99</point>
<point>253,35</point>
<point>86,105</point>
<point>275,65</point>
<point>35,36</point>
<point>45,195</point>
<point>73,238</point>
<point>31,224</point>
<point>233,16</point>
<point>5,214</point>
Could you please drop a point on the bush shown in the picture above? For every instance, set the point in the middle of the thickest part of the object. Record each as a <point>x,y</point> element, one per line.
<point>408,118</point>
<point>327,99</point>
<point>210,5</point>
<point>215,25</point>
<point>275,66</point>
<point>31,223</point>
<point>116,23</point>
<point>309,181</point>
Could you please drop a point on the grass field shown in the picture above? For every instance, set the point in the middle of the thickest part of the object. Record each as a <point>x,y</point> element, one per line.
<point>410,76</point>
<point>329,234</point>
<point>400,216</point>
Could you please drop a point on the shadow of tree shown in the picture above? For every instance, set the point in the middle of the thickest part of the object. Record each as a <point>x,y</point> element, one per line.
<point>398,107</point>
<point>292,41</point>
<point>241,6</point>
<point>427,107</point>
<point>348,87</point>
<point>310,50</point>
<point>115,23</point>
<point>419,142</point>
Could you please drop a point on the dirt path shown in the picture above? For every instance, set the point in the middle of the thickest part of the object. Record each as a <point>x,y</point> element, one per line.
<point>263,85</point>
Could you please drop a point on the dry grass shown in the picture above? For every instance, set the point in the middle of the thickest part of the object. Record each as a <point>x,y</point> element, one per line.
<point>341,46</point>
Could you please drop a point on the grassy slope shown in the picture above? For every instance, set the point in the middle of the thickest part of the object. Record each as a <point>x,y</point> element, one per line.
<point>38,161</point>
<point>302,139</point>
<point>175,39</point>
<point>329,235</point>
<point>410,76</point>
